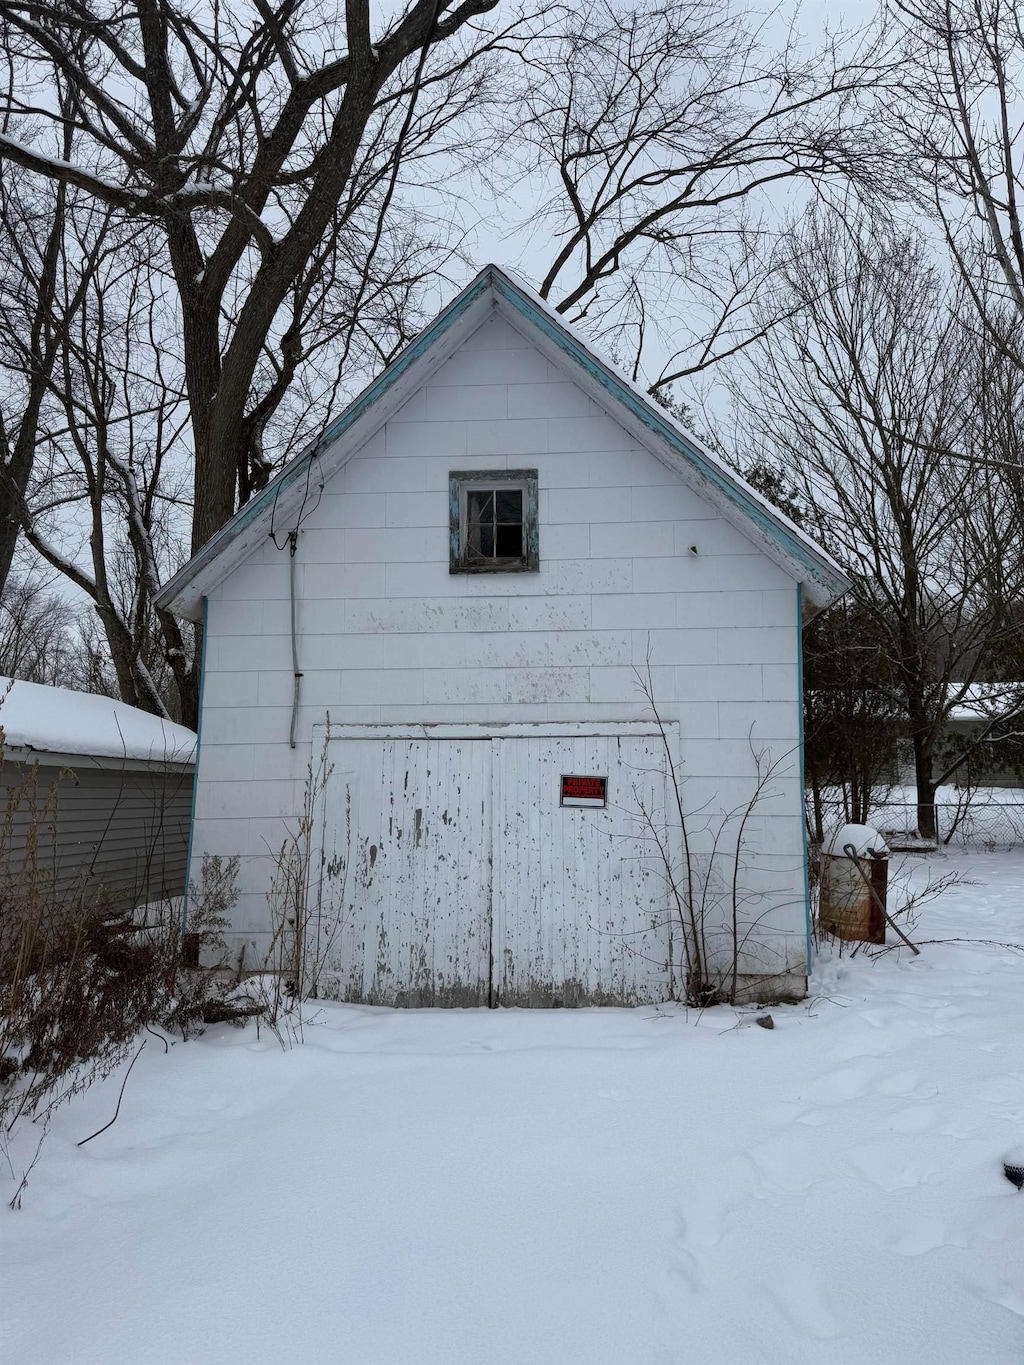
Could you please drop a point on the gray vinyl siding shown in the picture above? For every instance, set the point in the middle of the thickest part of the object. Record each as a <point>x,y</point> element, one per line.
<point>91,831</point>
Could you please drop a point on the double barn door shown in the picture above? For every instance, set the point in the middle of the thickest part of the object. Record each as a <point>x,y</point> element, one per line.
<point>452,874</point>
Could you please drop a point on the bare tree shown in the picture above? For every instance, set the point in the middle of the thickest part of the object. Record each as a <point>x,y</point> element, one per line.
<point>959,122</point>
<point>246,172</point>
<point>872,385</point>
<point>853,713</point>
<point>108,430</point>
<point>38,631</point>
<point>46,638</point>
<point>108,503</point>
<point>664,134</point>
<point>32,222</point>
<point>239,137</point>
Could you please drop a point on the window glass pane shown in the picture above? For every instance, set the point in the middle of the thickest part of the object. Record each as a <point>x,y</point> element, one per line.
<point>510,505</point>
<point>480,504</point>
<point>487,540</point>
<point>510,542</point>
<point>473,550</point>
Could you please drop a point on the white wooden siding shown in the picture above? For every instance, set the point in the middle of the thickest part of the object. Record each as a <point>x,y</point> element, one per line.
<point>388,635</point>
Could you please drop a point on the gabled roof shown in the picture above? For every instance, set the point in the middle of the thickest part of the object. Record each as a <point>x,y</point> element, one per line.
<point>495,290</point>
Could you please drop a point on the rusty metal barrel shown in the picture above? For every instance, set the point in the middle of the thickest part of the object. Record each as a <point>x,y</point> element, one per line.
<point>848,909</point>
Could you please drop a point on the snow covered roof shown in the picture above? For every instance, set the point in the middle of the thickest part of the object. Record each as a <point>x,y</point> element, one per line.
<point>986,701</point>
<point>494,290</point>
<point>57,721</point>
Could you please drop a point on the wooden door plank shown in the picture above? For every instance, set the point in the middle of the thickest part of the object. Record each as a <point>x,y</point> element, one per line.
<point>407,850</point>
<point>580,912</point>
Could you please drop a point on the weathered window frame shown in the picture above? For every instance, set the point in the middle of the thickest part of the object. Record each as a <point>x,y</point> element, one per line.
<point>460,483</point>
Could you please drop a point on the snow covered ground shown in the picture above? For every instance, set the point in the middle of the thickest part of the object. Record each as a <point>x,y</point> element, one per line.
<point>582,1188</point>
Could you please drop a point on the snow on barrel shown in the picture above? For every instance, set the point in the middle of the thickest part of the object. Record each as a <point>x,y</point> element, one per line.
<point>853,888</point>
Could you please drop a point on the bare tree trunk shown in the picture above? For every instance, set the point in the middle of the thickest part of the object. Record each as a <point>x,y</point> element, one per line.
<point>923,776</point>
<point>15,473</point>
<point>817,810</point>
<point>31,334</point>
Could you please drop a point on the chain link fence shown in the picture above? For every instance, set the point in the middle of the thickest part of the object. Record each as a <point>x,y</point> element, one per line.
<point>986,818</point>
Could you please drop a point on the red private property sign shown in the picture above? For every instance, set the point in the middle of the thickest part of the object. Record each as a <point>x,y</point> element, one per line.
<point>584,791</point>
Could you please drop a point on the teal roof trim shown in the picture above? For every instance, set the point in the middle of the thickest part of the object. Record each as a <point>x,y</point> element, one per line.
<point>539,315</point>
<point>396,369</point>
<point>296,471</point>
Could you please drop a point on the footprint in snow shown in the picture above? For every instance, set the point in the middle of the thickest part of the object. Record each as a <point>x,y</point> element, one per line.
<point>928,1235</point>
<point>682,1276</point>
<point>787,1112</point>
<point>805,1303</point>
<point>966,1125</point>
<point>779,1174</point>
<point>782,1114</point>
<point>892,1170</point>
<point>857,1048</point>
<point>1003,1293</point>
<point>901,1084</point>
<point>813,1118</point>
<point>723,1187</point>
<point>917,1119</point>
<point>836,1087</point>
<point>1002,1090</point>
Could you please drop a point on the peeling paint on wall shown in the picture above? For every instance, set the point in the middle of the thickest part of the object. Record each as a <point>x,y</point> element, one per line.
<point>507,897</point>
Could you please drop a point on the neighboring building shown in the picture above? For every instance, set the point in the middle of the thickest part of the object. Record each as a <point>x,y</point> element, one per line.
<point>991,715</point>
<point>95,796</point>
<point>986,724</point>
<point>477,557</point>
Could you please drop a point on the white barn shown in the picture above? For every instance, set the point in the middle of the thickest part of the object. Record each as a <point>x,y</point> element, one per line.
<point>450,594</point>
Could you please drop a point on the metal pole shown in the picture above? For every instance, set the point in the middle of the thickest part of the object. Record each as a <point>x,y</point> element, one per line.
<point>851,853</point>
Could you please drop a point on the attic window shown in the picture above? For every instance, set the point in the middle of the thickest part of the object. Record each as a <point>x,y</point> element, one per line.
<point>493,521</point>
